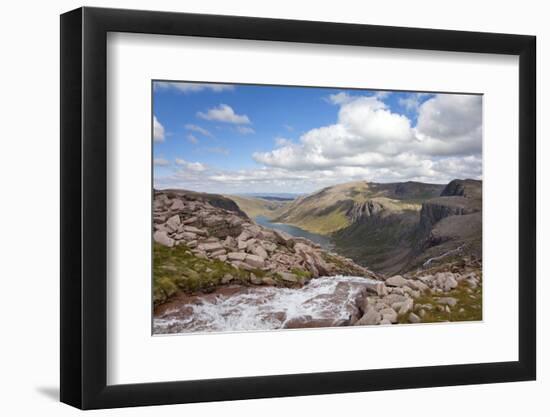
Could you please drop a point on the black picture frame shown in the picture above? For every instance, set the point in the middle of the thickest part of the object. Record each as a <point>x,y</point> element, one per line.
<point>84,207</point>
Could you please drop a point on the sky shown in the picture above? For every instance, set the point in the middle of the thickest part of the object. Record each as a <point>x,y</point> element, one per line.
<point>239,139</point>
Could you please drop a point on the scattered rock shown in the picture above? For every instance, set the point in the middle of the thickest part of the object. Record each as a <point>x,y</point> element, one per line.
<point>413,318</point>
<point>371,317</point>
<point>227,278</point>
<point>163,238</point>
<point>450,301</point>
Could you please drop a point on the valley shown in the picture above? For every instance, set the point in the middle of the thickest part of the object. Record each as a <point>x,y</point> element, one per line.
<point>353,254</point>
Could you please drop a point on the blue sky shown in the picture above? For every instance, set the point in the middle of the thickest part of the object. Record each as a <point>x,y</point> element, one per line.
<point>258,139</point>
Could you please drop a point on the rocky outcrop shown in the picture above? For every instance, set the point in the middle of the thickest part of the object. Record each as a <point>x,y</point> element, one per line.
<point>213,228</point>
<point>364,209</point>
<point>463,188</point>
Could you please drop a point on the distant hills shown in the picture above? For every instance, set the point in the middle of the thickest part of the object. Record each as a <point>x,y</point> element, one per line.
<point>389,227</point>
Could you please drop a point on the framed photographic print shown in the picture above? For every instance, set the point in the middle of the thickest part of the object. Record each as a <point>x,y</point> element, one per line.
<point>257,208</point>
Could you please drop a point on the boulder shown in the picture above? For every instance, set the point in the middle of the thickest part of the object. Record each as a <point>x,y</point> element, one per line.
<point>188,236</point>
<point>255,261</point>
<point>236,256</point>
<point>162,238</point>
<point>254,230</point>
<point>269,281</point>
<point>260,251</point>
<point>289,277</point>
<point>389,314</point>
<point>173,223</point>
<point>195,230</point>
<point>177,205</point>
<point>413,318</point>
<point>242,244</point>
<point>211,247</point>
<point>396,281</point>
<point>371,317</point>
<point>378,288</point>
<point>450,301</point>
<point>216,254</point>
<point>190,220</point>
<point>445,281</point>
<point>283,238</point>
<point>229,242</point>
<point>405,306</point>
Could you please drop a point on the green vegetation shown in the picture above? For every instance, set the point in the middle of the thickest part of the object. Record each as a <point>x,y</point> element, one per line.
<point>178,269</point>
<point>467,308</point>
<point>300,273</point>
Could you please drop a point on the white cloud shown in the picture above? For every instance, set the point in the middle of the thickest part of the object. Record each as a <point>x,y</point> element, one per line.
<point>192,138</point>
<point>158,130</point>
<point>161,162</point>
<point>339,98</point>
<point>224,113</point>
<point>369,135</point>
<point>198,129</point>
<point>186,87</point>
<point>450,124</point>
<point>191,166</point>
<point>245,130</point>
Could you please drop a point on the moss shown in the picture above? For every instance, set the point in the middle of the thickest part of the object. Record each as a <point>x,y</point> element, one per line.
<point>301,273</point>
<point>177,269</point>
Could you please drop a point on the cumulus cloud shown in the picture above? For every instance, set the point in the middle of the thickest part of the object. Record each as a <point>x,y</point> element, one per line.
<point>368,134</point>
<point>224,113</point>
<point>450,125</point>
<point>161,162</point>
<point>198,129</point>
<point>186,88</point>
<point>158,130</point>
<point>191,166</point>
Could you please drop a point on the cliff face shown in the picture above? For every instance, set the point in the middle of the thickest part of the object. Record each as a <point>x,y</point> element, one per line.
<point>451,221</point>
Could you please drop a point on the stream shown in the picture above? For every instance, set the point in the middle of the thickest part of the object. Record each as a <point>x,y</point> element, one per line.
<point>323,302</point>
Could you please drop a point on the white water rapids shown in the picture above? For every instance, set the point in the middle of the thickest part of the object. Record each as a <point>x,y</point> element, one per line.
<point>323,302</point>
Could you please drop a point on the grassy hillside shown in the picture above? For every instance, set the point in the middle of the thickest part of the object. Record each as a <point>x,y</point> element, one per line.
<point>258,206</point>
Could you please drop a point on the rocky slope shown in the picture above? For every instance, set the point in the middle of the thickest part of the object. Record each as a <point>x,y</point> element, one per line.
<point>205,240</point>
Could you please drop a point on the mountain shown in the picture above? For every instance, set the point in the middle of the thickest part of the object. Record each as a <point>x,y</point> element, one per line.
<point>392,227</point>
<point>337,207</point>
